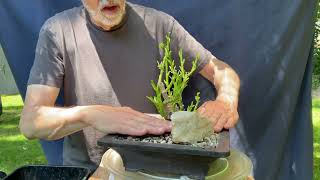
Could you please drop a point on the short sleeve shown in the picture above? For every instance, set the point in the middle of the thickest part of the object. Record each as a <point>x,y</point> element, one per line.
<point>48,66</point>
<point>191,48</point>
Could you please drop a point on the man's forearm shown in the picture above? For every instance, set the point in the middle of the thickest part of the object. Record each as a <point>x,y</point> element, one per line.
<point>227,84</point>
<point>51,122</point>
<point>223,111</point>
<point>225,80</point>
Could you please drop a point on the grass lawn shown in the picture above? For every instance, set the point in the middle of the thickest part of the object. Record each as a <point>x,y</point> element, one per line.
<point>16,151</point>
<point>316,137</point>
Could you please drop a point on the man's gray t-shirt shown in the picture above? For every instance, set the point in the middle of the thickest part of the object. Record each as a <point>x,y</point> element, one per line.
<point>106,68</point>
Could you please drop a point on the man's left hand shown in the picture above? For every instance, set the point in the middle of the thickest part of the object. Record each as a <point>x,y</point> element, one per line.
<point>222,113</point>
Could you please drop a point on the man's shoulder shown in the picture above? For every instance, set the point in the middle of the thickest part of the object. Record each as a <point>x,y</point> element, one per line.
<point>60,19</point>
<point>148,12</point>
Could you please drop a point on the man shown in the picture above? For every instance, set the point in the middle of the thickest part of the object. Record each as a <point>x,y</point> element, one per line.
<point>104,55</point>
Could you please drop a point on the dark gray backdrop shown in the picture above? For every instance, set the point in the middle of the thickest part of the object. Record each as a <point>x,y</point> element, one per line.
<point>269,43</point>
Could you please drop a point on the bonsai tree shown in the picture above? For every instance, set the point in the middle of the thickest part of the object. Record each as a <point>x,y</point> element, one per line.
<point>171,83</point>
<point>188,126</point>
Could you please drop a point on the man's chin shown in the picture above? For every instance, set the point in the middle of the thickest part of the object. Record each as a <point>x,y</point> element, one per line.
<point>114,19</point>
<point>109,24</point>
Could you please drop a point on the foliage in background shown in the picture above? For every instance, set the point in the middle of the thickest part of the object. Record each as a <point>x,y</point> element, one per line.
<point>316,60</point>
<point>316,136</point>
<point>171,83</point>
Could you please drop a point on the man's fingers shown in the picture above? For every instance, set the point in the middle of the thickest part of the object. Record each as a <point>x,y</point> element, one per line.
<point>139,129</point>
<point>132,130</point>
<point>152,129</point>
<point>155,122</point>
<point>231,122</point>
<point>156,131</point>
<point>217,128</point>
<point>201,110</point>
<point>163,127</point>
<point>214,117</point>
<point>219,125</point>
<point>149,125</point>
<point>221,122</point>
<point>204,113</point>
<point>142,116</point>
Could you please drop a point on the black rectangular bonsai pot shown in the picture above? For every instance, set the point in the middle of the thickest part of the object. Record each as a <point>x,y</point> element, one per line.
<point>185,160</point>
<point>43,172</point>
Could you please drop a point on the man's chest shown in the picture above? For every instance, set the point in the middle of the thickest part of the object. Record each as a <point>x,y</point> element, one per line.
<point>114,68</point>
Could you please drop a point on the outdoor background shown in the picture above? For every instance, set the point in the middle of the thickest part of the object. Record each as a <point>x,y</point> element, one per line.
<point>16,151</point>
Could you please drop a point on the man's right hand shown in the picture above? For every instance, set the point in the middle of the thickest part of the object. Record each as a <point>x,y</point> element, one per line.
<point>124,120</point>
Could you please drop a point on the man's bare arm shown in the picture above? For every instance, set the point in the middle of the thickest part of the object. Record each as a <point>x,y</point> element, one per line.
<point>40,119</point>
<point>224,78</point>
<point>223,111</point>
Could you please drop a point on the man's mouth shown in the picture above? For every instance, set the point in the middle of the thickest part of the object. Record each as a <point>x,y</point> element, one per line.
<point>110,9</point>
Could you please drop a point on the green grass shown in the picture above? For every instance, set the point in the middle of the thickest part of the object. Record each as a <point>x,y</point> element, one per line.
<point>15,149</point>
<point>316,136</point>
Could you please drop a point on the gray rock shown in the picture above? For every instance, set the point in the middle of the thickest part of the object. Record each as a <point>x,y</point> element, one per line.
<point>189,127</point>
